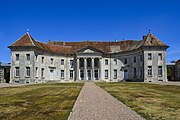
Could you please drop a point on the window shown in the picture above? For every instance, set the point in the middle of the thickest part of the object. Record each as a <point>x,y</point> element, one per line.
<point>27,71</point>
<point>135,72</point>
<point>115,61</point>
<point>42,59</point>
<point>28,57</point>
<point>16,71</point>
<point>62,73</point>
<point>106,61</point>
<point>149,56</point>
<point>149,70</point>
<point>17,57</point>
<point>96,63</point>
<point>71,62</point>
<point>159,70</point>
<point>42,72</point>
<point>115,74</point>
<point>106,74</point>
<point>52,61</point>
<point>141,57</point>
<point>125,60</point>
<point>134,59</point>
<point>36,71</point>
<point>62,61</point>
<point>159,56</point>
<point>71,73</point>
<point>82,74</point>
<point>96,74</point>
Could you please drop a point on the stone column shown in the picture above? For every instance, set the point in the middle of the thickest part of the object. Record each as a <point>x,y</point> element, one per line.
<point>85,68</point>
<point>77,65</point>
<point>100,69</point>
<point>92,61</point>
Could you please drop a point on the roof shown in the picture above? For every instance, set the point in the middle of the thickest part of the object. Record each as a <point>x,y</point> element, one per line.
<point>105,47</point>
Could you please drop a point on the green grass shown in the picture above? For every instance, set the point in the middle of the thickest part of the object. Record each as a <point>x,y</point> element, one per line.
<point>153,102</point>
<point>40,101</point>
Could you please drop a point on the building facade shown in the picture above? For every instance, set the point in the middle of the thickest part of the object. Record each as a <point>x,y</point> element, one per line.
<point>173,71</point>
<point>129,60</point>
<point>5,72</point>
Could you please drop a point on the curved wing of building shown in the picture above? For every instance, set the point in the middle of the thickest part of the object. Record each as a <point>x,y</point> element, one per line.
<point>130,60</point>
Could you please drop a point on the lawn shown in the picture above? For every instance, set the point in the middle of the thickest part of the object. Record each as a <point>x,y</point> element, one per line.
<point>153,102</point>
<point>40,101</point>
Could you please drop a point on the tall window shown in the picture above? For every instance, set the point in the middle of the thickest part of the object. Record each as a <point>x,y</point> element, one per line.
<point>106,61</point>
<point>115,61</point>
<point>141,57</point>
<point>159,70</point>
<point>135,72</point>
<point>42,72</point>
<point>62,73</point>
<point>27,71</point>
<point>17,57</point>
<point>82,74</point>
<point>62,61</point>
<point>96,62</point>
<point>71,62</point>
<point>106,74</point>
<point>134,59</point>
<point>16,71</point>
<point>28,57</point>
<point>125,60</point>
<point>159,56</point>
<point>115,74</point>
<point>96,74</point>
<point>36,71</point>
<point>52,60</point>
<point>149,56</point>
<point>149,70</point>
<point>42,59</point>
<point>71,73</point>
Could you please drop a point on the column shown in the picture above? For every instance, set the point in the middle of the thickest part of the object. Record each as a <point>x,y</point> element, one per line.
<point>85,68</point>
<point>92,61</point>
<point>100,68</point>
<point>77,65</point>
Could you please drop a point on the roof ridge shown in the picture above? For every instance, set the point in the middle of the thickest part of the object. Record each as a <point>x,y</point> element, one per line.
<point>30,38</point>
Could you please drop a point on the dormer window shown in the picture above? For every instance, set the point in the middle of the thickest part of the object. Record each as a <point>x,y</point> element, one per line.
<point>151,41</point>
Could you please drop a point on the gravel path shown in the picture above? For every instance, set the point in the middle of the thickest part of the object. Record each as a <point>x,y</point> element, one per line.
<point>94,103</point>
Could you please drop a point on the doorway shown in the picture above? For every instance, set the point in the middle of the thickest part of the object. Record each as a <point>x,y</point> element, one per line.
<point>89,74</point>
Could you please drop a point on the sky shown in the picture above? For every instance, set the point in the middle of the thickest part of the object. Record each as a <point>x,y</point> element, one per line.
<point>100,20</point>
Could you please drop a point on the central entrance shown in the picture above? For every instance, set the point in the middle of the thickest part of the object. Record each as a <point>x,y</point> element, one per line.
<point>88,68</point>
<point>89,74</point>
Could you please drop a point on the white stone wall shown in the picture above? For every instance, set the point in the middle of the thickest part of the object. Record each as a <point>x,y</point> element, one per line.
<point>55,76</point>
<point>155,63</point>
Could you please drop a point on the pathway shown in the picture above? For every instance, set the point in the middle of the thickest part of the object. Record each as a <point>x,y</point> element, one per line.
<point>94,103</point>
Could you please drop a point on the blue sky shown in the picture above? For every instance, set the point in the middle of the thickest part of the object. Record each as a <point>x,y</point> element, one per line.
<point>78,20</point>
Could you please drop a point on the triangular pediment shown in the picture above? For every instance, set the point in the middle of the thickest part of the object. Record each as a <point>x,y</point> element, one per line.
<point>88,50</point>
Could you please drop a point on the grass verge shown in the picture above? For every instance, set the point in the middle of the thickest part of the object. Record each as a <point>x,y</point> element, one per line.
<point>153,102</point>
<point>40,101</point>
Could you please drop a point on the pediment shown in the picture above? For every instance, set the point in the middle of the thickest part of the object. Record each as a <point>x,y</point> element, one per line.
<point>88,50</point>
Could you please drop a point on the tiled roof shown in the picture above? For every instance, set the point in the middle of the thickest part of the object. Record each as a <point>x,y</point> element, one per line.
<point>105,47</point>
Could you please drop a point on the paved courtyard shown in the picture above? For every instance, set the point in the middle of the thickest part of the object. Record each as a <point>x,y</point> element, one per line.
<point>94,103</point>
